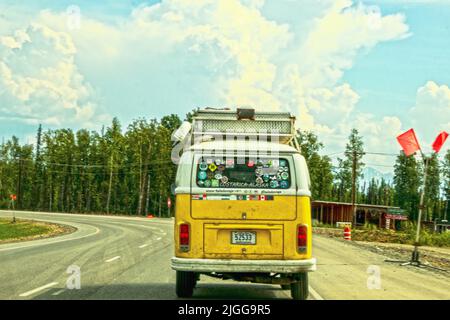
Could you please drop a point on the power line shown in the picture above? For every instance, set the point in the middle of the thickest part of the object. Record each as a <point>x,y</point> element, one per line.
<point>153,162</point>
<point>333,154</point>
<point>382,154</point>
<point>150,170</point>
<point>379,165</point>
<point>91,165</point>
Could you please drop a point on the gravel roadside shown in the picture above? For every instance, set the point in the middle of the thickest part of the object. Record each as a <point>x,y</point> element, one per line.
<point>435,256</point>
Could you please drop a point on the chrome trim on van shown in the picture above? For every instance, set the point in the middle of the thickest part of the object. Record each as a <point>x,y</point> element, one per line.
<point>229,265</point>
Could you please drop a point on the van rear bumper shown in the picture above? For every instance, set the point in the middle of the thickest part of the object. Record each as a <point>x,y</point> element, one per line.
<point>257,266</point>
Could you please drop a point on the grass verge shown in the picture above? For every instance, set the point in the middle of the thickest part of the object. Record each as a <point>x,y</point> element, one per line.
<point>23,230</point>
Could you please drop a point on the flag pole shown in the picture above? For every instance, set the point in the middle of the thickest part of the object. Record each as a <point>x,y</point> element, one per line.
<point>415,261</point>
<point>415,254</point>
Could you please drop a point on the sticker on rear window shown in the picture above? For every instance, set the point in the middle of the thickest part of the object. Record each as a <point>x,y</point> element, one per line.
<point>268,173</point>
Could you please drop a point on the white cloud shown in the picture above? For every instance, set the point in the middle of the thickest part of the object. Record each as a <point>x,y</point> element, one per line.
<point>340,34</point>
<point>431,114</point>
<point>274,55</point>
<point>39,79</point>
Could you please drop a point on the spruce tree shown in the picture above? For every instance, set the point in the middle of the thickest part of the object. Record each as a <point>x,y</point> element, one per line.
<point>320,168</point>
<point>446,185</point>
<point>406,184</point>
<point>432,194</point>
<point>354,151</point>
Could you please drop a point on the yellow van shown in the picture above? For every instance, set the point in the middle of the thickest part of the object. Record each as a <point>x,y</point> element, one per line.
<point>243,203</point>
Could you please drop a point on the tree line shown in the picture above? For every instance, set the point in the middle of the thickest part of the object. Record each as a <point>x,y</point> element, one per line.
<point>87,171</point>
<point>334,183</point>
<point>130,172</point>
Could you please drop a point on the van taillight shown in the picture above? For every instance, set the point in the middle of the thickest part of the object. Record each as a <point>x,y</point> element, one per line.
<point>184,237</point>
<point>302,238</point>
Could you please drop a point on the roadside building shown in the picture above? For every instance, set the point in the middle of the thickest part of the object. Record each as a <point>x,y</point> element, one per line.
<point>441,226</point>
<point>339,213</point>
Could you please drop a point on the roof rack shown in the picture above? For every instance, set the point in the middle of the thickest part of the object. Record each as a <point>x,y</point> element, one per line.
<point>245,123</point>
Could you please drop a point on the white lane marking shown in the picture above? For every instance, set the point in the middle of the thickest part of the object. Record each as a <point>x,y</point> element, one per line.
<point>314,294</point>
<point>58,292</point>
<point>29,293</point>
<point>158,231</point>
<point>160,220</point>
<point>113,259</point>
<point>97,230</point>
<point>158,238</point>
<point>144,245</point>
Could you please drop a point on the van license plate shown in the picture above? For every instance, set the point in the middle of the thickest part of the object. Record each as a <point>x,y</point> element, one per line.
<point>243,237</point>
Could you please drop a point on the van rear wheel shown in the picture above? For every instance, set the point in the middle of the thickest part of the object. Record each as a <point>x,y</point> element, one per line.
<point>299,289</point>
<point>185,283</point>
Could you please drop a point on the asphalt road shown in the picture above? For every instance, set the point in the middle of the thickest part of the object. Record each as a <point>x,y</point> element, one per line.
<point>129,258</point>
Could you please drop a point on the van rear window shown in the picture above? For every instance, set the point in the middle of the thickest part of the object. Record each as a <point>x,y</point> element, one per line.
<point>267,173</point>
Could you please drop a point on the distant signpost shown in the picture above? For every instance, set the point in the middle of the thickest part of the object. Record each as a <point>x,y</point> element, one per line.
<point>12,201</point>
<point>396,211</point>
<point>169,205</point>
<point>396,214</point>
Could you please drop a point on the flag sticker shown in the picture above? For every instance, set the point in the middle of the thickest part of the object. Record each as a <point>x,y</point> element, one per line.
<point>239,197</point>
<point>229,163</point>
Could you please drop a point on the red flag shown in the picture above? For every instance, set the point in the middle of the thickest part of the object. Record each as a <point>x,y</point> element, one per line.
<point>409,142</point>
<point>440,140</point>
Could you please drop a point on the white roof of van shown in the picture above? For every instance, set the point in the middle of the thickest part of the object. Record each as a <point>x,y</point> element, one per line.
<point>243,146</point>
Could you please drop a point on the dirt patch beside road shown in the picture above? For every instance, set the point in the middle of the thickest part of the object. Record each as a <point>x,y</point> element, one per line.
<point>436,256</point>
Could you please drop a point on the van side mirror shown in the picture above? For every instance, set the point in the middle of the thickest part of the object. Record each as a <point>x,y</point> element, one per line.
<point>173,186</point>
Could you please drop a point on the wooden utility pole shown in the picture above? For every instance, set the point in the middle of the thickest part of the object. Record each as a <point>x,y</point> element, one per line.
<point>354,188</point>
<point>110,184</point>
<point>141,185</point>
<point>19,185</point>
<point>421,204</point>
<point>446,209</point>
<point>147,201</point>
<point>159,210</point>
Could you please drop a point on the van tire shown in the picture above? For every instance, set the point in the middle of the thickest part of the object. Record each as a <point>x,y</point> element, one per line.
<point>285,286</point>
<point>299,289</point>
<point>185,283</point>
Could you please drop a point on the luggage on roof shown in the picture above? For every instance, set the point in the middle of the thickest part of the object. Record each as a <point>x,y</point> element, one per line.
<point>275,126</point>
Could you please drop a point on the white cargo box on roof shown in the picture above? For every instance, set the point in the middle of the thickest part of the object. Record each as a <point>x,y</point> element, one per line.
<point>245,123</point>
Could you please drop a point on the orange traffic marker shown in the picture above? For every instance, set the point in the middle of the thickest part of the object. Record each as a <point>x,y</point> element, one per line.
<point>347,233</point>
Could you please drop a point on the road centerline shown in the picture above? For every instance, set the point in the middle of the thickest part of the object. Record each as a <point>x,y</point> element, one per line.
<point>314,294</point>
<point>58,292</point>
<point>29,293</point>
<point>113,259</point>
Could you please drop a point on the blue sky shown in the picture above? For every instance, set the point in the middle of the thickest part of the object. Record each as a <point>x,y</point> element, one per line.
<point>409,63</point>
<point>379,66</point>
